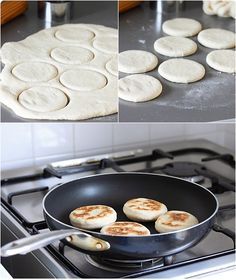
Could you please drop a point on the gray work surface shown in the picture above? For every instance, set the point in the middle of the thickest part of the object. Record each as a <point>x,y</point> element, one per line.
<point>102,12</point>
<point>211,99</point>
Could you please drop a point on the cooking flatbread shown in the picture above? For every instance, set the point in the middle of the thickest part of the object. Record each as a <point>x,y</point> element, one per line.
<point>125,229</point>
<point>92,216</point>
<point>175,220</point>
<point>78,62</point>
<point>143,209</point>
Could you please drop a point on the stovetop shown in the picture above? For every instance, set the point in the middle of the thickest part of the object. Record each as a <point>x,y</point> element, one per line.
<point>199,161</point>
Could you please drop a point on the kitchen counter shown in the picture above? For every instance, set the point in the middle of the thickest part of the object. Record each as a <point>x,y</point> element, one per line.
<point>103,13</point>
<point>211,99</point>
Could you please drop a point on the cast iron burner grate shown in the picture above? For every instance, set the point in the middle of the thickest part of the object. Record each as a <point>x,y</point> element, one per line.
<point>129,266</point>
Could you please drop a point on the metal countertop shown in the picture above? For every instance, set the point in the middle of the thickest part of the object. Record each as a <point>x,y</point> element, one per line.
<point>210,99</point>
<point>102,12</point>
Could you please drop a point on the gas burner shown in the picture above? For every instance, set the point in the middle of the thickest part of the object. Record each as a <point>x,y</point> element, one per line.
<point>131,266</point>
<point>186,170</point>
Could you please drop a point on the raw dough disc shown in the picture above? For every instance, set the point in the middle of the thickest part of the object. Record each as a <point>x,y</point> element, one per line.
<point>72,55</point>
<point>83,80</point>
<point>43,99</point>
<point>139,88</point>
<point>34,71</point>
<point>181,70</point>
<point>112,66</point>
<point>106,45</point>
<point>175,46</point>
<point>183,27</point>
<point>216,38</point>
<point>222,60</point>
<point>74,35</point>
<point>136,61</point>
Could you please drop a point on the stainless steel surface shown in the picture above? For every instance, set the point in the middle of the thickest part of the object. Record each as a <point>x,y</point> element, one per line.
<point>29,244</point>
<point>57,11</point>
<point>211,99</point>
<point>215,242</point>
<point>102,12</point>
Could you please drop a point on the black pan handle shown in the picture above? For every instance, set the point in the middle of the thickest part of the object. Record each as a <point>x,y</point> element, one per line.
<point>226,231</point>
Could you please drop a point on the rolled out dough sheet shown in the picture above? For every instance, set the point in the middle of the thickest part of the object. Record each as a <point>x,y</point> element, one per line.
<point>68,72</point>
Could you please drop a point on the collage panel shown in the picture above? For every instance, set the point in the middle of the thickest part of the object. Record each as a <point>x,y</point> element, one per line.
<point>176,61</point>
<point>60,183</point>
<point>60,61</point>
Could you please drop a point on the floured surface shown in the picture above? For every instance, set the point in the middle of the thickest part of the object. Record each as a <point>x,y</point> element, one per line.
<point>54,53</point>
<point>209,99</point>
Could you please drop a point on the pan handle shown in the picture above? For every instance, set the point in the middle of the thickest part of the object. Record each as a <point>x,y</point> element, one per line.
<point>78,238</point>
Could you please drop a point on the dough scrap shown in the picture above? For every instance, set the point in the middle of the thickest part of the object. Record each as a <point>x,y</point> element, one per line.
<point>112,66</point>
<point>43,99</point>
<point>43,58</point>
<point>181,70</point>
<point>225,8</point>
<point>183,27</point>
<point>222,60</point>
<point>175,46</point>
<point>84,80</point>
<point>72,55</point>
<point>34,71</point>
<point>137,61</point>
<point>216,38</point>
<point>139,88</point>
<point>106,44</point>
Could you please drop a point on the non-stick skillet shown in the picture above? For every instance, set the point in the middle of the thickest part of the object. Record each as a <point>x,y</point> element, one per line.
<point>114,190</point>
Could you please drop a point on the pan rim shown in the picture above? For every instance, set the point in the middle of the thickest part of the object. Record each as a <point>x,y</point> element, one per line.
<point>130,236</point>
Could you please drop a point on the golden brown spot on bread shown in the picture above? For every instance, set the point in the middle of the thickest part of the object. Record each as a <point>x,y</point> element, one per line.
<point>147,204</point>
<point>86,212</point>
<point>125,228</point>
<point>176,217</point>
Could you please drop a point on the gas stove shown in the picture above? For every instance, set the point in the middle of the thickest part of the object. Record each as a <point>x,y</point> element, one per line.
<point>199,161</point>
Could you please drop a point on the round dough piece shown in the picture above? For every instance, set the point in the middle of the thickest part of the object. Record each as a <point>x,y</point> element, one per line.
<point>34,71</point>
<point>222,60</point>
<point>84,80</point>
<point>136,61</point>
<point>43,99</point>
<point>72,55</point>
<point>175,46</point>
<point>125,229</point>
<point>92,216</point>
<point>74,35</point>
<point>181,70</point>
<point>139,88</point>
<point>112,66</point>
<point>183,27</point>
<point>143,209</point>
<point>175,220</point>
<point>106,44</point>
<point>216,38</point>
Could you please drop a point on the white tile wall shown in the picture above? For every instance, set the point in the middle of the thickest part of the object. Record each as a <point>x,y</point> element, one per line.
<point>24,144</point>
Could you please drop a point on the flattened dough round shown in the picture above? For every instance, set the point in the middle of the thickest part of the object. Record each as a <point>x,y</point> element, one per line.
<point>106,44</point>
<point>216,38</point>
<point>175,46</point>
<point>112,66</point>
<point>83,80</point>
<point>74,34</point>
<point>175,220</point>
<point>139,88</point>
<point>222,60</point>
<point>183,27</point>
<point>92,216</point>
<point>72,55</point>
<point>143,209</point>
<point>125,229</point>
<point>136,61</point>
<point>181,70</point>
<point>34,71</point>
<point>43,99</point>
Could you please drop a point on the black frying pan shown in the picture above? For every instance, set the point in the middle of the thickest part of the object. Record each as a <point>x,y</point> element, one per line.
<point>114,190</point>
